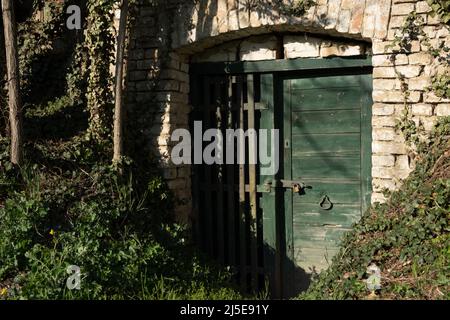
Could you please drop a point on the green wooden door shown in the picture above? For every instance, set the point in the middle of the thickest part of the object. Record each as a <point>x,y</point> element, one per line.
<point>327,146</point>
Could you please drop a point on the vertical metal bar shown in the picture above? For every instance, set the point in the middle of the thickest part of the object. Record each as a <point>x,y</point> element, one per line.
<point>219,191</point>
<point>207,186</point>
<point>252,183</point>
<point>242,231</point>
<point>230,184</point>
<point>196,168</point>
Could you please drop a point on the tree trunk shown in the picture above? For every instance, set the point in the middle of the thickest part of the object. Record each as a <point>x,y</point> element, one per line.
<point>118,107</point>
<point>12,65</point>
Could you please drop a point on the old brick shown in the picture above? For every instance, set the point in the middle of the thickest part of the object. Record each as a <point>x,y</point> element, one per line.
<point>434,20</point>
<point>301,47</point>
<point>382,109</point>
<point>382,19</point>
<point>146,64</point>
<point>382,172</point>
<point>170,74</point>
<point>422,58</point>
<point>397,21</point>
<point>341,50</point>
<point>260,49</point>
<point>136,54</point>
<point>395,96</point>
<point>333,13</point>
<point>421,109</point>
<point>386,84</point>
<point>151,53</point>
<point>368,28</point>
<point>383,161</point>
<point>143,86</point>
<point>343,24</point>
<point>442,109</point>
<point>388,147</point>
<point>389,60</point>
<point>378,197</point>
<point>419,83</point>
<point>409,71</point>
<point>402,9</point>
<point>382,47</point>
<point>422,7</point>
<point>427,122</point>
<point>430,97</point>
<point>168,85</point>
<point>383,121</point>
<point>347,4</point>
<point>382,184</point>
<point>383,134</point>
<point>384,72</point>
<point>430,31</point>
<point>357,18</point>
<point>137,75</point>
<point>402,162</point>
<point>184,87</point>
<point>171,96</point>
<point>442,32</point>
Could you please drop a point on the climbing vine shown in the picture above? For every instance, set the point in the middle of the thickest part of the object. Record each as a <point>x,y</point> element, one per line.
<point>295,8</point>
<point>413,30</point>
<point>441,8</point>
<point>36,40</point>
<point>100,50</point>
<point>441,81</point>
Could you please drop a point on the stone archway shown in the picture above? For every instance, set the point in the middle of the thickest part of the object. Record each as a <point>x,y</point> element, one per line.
<point>164,43</point>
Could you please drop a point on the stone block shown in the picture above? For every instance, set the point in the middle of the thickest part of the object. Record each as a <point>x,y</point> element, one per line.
<point>301,47</point>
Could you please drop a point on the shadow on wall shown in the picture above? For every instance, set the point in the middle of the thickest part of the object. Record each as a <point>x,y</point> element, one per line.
<point>211,22</point>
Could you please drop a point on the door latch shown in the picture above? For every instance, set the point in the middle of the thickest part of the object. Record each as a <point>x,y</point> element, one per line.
<point>295,186</point>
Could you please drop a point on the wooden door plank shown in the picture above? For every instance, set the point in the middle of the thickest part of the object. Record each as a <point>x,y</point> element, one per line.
<point>328,121</point>
<point>268,205</point>
<point>287,261</point>
<point>366,141</point>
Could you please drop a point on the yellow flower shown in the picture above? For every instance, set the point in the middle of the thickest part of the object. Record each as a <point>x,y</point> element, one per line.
<point>52,232</point>
<point>3,292</point>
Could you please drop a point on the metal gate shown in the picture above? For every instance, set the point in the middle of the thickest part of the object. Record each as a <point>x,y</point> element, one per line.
<point>228,202</point>
<point>240,215</point>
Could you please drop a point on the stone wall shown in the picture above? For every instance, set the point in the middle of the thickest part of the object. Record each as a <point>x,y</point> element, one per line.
<point>164,42</point>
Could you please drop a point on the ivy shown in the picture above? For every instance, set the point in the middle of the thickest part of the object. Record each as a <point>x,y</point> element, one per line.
<point>441,82</point>
<point>36,40</point>
<point>441,85</point>
<point>100,50</point>
<point>407,237</point>
<point>441,8</point>
<point>413,30</point>
<point>296,8</point>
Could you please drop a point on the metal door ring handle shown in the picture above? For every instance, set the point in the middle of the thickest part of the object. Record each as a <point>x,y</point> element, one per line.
<point>325,203</point>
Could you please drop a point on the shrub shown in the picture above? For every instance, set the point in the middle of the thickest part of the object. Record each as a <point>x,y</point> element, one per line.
<point>408,237</point>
